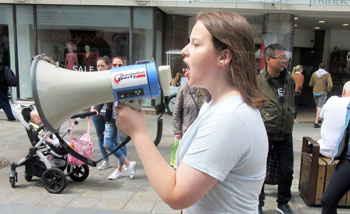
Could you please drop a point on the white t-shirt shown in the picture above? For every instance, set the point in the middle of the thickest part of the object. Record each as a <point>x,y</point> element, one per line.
<point>333,113</point>
<point>227,141</point>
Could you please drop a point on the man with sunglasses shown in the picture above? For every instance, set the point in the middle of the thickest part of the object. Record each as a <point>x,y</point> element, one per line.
<point>278,86</point>
<point>117,62</point>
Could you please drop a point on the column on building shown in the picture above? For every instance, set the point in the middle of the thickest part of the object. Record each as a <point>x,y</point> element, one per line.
<point>278,28</point>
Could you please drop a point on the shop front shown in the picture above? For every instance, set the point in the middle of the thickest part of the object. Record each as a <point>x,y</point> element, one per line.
<point>75,37</point>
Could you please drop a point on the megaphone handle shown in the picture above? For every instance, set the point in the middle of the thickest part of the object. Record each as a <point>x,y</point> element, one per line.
<point>137,105</point>
<point>134,104</point>
<point>159,131</point>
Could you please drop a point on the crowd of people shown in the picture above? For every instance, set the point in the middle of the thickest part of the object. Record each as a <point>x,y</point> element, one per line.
<point>227,120</point>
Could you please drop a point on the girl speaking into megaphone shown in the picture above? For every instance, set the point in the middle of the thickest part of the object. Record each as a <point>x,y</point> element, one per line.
<point>222,155</point>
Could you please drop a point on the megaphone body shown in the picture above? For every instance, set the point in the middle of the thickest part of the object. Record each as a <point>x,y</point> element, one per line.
<point>59,93</point>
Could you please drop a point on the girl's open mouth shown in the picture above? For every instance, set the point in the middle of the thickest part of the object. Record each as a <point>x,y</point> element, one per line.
<point>186,71</point>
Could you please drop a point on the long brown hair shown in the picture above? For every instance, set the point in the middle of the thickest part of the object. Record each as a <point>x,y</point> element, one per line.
<point>106,59</point>
<point>233,32</point>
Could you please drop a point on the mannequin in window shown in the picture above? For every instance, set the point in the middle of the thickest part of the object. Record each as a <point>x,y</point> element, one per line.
<point>71,57</point>
<point>89,59</point>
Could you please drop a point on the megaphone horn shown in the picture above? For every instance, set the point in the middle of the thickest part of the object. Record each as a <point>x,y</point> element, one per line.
<point>59,93</point>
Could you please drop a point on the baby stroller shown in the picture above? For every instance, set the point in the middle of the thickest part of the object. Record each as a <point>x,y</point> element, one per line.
<point>46,160</point>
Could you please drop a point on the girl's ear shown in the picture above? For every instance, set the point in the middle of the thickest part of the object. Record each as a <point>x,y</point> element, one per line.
<point>225,57</point>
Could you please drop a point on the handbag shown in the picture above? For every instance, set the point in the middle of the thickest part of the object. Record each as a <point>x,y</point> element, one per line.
<point>84,145</point>
<point>10,77</point>
<point>272,167</point>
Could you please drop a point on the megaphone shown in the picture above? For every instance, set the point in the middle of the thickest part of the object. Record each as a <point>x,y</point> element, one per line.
<point>59,93</point>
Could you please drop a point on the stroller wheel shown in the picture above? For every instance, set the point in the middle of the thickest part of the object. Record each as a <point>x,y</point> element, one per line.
<point>28,177</point>
<point>54,180</point>
<point>78,173</point>
<point>13,182</point>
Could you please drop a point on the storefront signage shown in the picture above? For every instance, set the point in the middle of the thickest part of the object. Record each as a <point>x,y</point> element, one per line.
<point>329,2</point>
<point>83,68</point>
<point>304,2</point>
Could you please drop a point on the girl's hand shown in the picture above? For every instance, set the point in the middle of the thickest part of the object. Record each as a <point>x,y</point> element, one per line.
<point>130,121</point>
<point>178,136</point>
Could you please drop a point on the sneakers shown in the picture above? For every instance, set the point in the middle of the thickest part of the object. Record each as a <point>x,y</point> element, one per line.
<point>132,169</point>
<point>284,209</point>
<point>115,175</point>
<point>104,165</point>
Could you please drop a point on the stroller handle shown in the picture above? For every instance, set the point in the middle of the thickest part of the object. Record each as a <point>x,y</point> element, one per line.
<point>84,114</point>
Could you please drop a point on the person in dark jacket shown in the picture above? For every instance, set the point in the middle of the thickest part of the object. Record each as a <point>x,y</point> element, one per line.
<point>339,184</point>
<point>278,87</point>
<point>4,101</point>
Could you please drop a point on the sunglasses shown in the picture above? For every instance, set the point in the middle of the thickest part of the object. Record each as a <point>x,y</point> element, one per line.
<point>117,65</point>
<point>281,58</point>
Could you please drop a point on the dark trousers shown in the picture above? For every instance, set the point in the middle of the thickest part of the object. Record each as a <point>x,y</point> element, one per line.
<point>297,97</point>
<point>285,156</point>
<point>5,105</point>
<point>338,186</point>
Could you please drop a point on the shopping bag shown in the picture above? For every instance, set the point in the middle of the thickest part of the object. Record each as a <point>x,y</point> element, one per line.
<point>84,146</point>
<point>173,153</point>
<point>272,167</point>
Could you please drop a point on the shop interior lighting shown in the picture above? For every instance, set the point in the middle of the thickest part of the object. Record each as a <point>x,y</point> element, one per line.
<point>345,25</point>
<point>296,18</point>
<point>317,28</point>
<point>295,25</point>
<point>321,21</point>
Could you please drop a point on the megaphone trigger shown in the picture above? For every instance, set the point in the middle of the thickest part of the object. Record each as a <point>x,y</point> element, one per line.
<point>134,104</point>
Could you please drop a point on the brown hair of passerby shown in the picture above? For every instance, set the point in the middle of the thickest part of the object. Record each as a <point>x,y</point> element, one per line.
<point>106,59</point>
<point>322,65</point>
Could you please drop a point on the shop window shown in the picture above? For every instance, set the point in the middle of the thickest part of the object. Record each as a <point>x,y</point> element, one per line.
<point>25,48</point>
<point>7,55</point>
<point>76,36</point>
<point>143,38</point>
<point>143,34</point>
<point>4,45</point>
<point>5,27</point>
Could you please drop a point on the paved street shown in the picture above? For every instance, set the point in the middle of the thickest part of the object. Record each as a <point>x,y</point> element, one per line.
<point>97,194</point>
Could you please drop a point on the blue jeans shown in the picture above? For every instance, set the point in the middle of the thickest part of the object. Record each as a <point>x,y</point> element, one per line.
<point>284,150</point>
<point>99,123</point>
<point>5,105</point>
<point>111,140</point>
